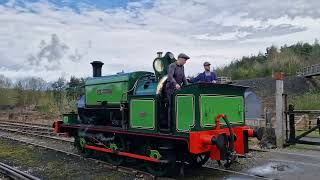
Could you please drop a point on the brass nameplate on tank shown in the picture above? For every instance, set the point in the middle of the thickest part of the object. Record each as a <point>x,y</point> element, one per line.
<point>104,91</point>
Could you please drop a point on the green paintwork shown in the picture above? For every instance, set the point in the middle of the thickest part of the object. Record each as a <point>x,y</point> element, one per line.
<point>70,118</point>
<point>111,93</point>
<point>83,142</point>
<point>113,147</point>
<point>111,89</point>
<point>185,113</point>
<point>142,113</point>
<point>130,77</point>
<point>206,89</point>
<point>211,106</point>
<point>155,154</point>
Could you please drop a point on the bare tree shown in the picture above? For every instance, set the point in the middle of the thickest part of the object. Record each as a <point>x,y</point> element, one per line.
<point>5,82</point>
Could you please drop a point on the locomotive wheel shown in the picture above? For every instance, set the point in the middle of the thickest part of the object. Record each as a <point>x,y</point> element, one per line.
<point>157,169</point>
<point>160,169</point>
<point>118,145</point>
<point>199,160</point>
<point>80,142</point>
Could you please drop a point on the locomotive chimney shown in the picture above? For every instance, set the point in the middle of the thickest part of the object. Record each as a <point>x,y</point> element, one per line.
<point>159,54</point>
<point>96,68</point>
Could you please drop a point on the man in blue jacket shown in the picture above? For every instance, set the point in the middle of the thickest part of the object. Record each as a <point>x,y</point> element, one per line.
<point>207,76</point>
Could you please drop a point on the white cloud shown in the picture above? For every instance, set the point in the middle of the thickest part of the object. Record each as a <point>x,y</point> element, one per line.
<point>128,38</point>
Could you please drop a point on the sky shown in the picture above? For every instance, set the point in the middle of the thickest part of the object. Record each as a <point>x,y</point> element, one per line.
<point>59,38</point>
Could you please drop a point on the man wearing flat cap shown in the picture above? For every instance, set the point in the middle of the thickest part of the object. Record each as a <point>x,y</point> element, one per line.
<point>176,78</point>
<point>207,76</point>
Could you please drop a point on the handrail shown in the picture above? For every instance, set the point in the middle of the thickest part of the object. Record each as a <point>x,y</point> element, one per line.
<point>310,70</point>
<point>303,112</point>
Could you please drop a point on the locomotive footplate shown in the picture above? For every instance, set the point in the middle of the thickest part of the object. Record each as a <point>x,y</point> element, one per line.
<point>59,127</point>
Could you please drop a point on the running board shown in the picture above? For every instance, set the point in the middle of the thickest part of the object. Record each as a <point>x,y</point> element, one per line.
<point>136,156</point>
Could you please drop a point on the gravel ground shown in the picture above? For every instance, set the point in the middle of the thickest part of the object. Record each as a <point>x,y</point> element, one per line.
<point>4,177</point>
<point>48,164</point>
<point>242,164</point>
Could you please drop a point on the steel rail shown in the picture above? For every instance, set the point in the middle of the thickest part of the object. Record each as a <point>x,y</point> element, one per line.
<point>39,131</point>
<point>28,129</point>
<point>132,171</point>
<point>26,123</point>
<point>22,124</point>
<point>34,134</point>
<point>15,173</point>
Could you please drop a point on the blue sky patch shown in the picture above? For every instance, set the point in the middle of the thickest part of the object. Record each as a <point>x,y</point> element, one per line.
<point>77,4</point>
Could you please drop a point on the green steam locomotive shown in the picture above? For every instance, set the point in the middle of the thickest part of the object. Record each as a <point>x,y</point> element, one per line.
<point>123,115</point>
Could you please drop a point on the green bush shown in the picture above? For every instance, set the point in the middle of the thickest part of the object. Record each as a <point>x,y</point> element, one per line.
<point>288,59</point>
<point>7,96</point>
<point>43,108</point>
<point>308,101</point>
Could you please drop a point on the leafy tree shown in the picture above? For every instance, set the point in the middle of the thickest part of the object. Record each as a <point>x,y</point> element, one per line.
<point>288,59</point>
<point>75,88</point>
<point>58,88</point>
<point>20,94</point>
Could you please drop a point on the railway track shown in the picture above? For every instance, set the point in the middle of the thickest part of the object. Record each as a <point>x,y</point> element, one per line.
<point>27,123</point>
<point>137,173</point>
<point>14,173</point>
<point>33,130</point>
<point>5,127</point>
<point>35,127</point>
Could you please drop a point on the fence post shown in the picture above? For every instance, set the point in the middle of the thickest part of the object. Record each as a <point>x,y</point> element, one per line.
<point>279,129</point>
<point>318,123</point>
<point>292,136</point>
<point>285,96</point>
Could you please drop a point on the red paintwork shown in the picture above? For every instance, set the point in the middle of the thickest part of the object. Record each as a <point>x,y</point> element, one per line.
<point>250,132</point>
<point>239,143</point>
<point>136,156</point>
<point>218,120</point>
<point>278,75</point>
<point>56,126</point>
<point>200,142</point>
